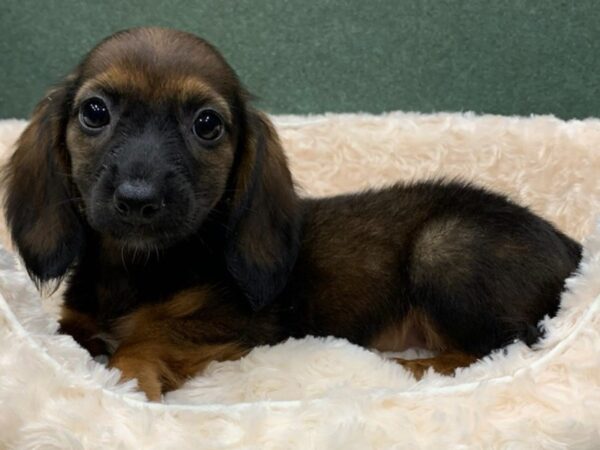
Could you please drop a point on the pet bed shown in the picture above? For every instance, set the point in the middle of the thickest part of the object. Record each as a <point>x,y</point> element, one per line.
<point>326,393</point>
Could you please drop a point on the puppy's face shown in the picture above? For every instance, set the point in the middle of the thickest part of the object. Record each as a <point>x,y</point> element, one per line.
<point>152,134</point>
<point>147,139</point>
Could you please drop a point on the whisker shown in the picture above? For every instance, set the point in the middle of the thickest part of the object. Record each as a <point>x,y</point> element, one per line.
<point>148,255</point>
<point>123,257</point>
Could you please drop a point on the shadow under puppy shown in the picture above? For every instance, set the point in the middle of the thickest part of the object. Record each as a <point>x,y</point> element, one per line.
<point>148,180</point>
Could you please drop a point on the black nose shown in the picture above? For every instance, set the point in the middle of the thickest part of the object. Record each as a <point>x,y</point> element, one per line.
<point>137,200</point>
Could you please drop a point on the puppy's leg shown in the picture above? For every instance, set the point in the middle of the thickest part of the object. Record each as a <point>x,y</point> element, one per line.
<point>417,330</point>
<point>486,281</point>
<point>84,329</point>
<point>134,364</point>
<point>161,365</point>
<point>163,345</point>
<point>445,363</point>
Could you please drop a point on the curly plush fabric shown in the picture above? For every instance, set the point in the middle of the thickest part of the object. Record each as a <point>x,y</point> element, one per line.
<point>326,393</point>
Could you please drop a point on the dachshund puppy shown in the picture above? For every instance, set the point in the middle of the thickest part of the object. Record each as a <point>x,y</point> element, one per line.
<point>149,182</point>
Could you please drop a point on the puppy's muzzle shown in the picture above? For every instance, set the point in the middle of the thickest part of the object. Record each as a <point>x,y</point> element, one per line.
<point>138,201</point>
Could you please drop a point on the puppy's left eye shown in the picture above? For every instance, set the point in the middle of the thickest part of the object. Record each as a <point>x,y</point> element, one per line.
<point>208,125</point>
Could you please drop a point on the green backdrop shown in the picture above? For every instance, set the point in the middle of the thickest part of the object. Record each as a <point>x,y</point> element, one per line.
<point>302,56</point>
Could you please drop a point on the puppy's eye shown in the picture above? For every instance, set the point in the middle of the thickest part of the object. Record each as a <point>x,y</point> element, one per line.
<point>94,113</point>
<point>208,125</point>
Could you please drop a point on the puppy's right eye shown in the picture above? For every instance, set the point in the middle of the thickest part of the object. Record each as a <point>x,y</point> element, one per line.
<point>94,113</point>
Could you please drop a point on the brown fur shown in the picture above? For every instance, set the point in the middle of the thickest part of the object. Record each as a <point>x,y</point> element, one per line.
<point>415,331</point>
<point>157,349</point>
<point>183,88</point>
<point>232,257</point>
<point>444,363</point>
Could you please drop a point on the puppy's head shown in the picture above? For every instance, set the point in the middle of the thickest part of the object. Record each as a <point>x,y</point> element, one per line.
<point>148,136</point>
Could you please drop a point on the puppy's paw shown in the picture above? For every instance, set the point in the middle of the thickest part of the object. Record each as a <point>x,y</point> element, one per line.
<point>147,374</point>
<point>444,364</point>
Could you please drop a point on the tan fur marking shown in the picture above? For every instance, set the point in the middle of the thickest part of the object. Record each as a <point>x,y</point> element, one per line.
<point>445,364</point>
<point>180,306</point>
<point>156,348</point>
<point>154,353</point>
<point>415,331</point>
<point>153,88</point>
<point>161,367</point>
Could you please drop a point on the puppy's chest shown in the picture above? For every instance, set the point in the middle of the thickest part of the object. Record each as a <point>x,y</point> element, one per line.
<point>119,296</point>
<point>112,293</point>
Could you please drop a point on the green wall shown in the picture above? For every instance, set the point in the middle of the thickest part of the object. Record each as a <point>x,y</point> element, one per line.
<point>303,56</point>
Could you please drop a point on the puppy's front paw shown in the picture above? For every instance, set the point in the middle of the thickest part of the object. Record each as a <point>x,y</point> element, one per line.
<point>147,373</point>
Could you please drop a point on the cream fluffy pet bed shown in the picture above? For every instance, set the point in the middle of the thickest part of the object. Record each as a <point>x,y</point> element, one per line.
<point>327,393</point>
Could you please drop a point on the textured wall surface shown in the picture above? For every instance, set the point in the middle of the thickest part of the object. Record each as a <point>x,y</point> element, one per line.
<point>303,56</point>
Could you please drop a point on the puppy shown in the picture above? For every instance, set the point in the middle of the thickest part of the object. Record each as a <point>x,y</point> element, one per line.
<point>148,181</point>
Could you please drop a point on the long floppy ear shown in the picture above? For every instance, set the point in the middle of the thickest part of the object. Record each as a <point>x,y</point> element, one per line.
<point>39,205</point>
<point>264,223</point>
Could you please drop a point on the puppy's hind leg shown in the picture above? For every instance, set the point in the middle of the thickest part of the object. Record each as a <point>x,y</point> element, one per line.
<point>445,363</point>
<point>417,330</point>
<point>486,283</point>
